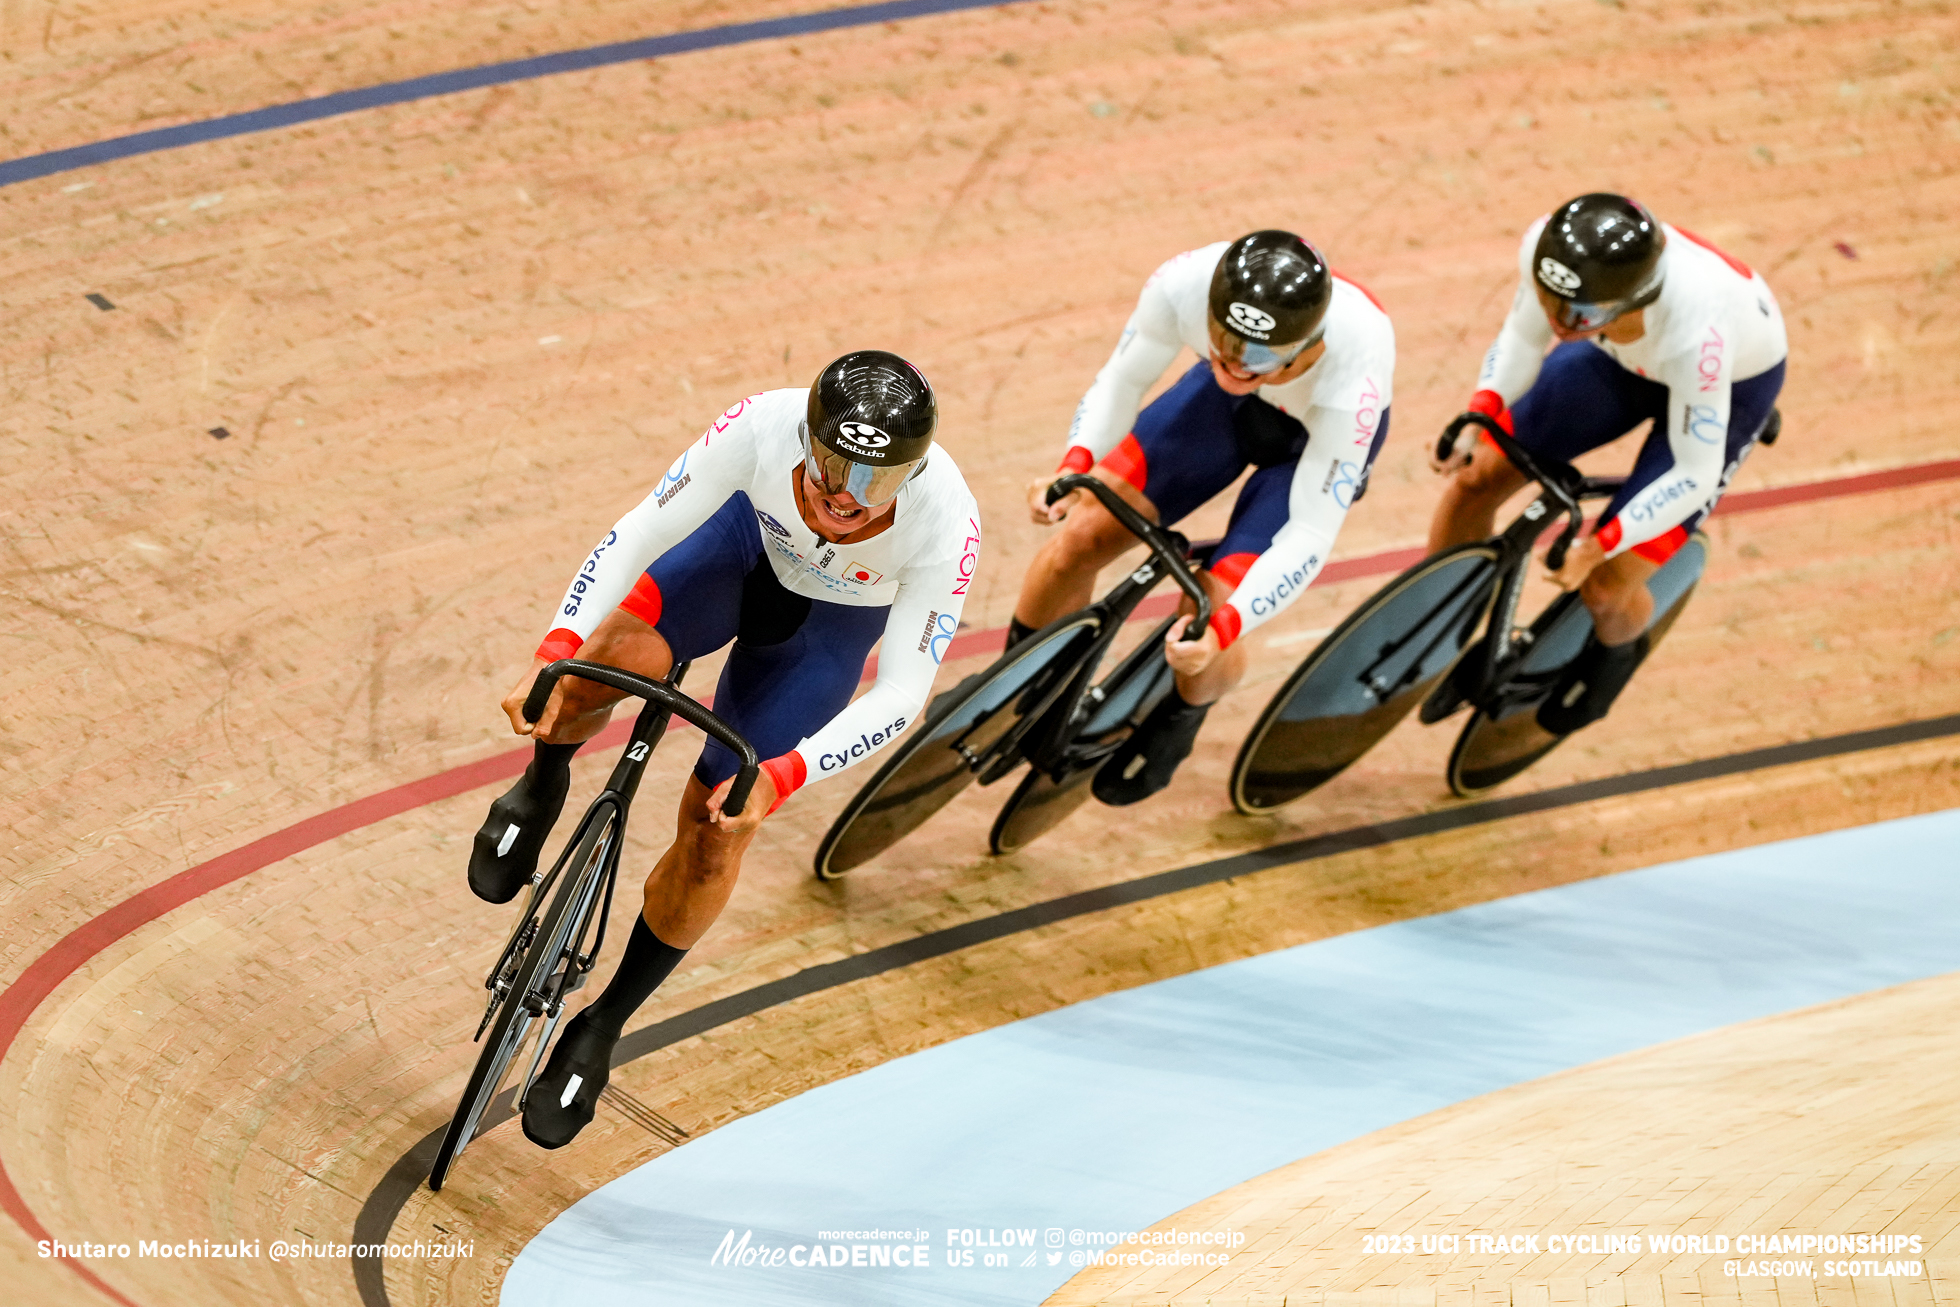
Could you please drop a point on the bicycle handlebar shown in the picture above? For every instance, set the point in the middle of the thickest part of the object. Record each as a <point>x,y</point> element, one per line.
<point>667,697</point>
<point>1555,488</point>
<point>1159,540</point>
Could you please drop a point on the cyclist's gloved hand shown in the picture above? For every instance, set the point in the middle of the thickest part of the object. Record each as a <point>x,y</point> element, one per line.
<point>1585,554</point>
<point>1451,460</point>
<point>513,704</point>
<point>763,800</point>
<point>1044,513</point>
<point>1188,657</point>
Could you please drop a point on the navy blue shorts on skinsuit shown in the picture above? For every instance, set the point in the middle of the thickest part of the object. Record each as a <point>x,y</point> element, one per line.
<point>1584,399</point>
<point>1189,444</point>
<point>796,660</point>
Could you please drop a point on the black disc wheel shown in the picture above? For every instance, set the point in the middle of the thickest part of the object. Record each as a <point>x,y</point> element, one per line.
<point>1039,804</point>
<point>1107,715</point>
<point>516,1015</point>
<point>975,726</point>
<point>1364,677</point>
<point>1503,738</point>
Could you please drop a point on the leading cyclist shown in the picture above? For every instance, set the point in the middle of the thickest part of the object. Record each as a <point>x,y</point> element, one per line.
<point>1652,323</point>
<point>803,526</point>
<point>1293,380</point>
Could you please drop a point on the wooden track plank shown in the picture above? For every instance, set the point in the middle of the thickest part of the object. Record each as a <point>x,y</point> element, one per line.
<point>215,640</point>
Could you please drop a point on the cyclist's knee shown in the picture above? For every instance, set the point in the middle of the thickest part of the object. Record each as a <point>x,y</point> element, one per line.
<point>1489,475</point>
<point>1616,585</point>
<point>1091,537</point>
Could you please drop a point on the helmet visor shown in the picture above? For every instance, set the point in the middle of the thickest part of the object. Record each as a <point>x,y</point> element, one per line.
<point>1577,315</point>
<point>867,483</point>
<point>1252,356</point>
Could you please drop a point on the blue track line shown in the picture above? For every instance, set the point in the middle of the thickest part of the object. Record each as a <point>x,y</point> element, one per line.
<point>471,79</point>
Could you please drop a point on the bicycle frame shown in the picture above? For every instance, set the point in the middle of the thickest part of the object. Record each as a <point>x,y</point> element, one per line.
<point>548,954</point>
<point>610,807</point>
<point>1052,730</point>
<point>1560,492</point>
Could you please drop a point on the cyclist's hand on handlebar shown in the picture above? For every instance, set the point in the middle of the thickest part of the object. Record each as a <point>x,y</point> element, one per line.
<point>1585,554</point>
<point>1457,457</point>
<point>1040,510</point>
<point>761,799</point>
<point>1188,657</point>
<point>513,704</point>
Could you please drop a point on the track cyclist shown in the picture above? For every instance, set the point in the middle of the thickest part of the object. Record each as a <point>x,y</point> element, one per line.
<point>803,526</point>
<point>1650,322</point>
<point>1293,380</point>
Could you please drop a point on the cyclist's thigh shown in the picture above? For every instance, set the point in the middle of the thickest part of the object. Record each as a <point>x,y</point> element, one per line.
<point>776,694</point>
<point>692,594</point>
<point>1183,449</point>
<point>1750,403</point>
<point>1257,516</point>
<point>1582,400</point>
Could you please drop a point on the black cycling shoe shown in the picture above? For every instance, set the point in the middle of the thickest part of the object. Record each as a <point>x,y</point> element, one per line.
<point>505,853</point>
<point>1145,763</point>
<point>1590,683</point>
<point>564,1095</point>
<point>1453,691</point>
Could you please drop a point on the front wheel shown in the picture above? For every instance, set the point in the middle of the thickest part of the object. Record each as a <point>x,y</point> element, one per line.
<point>970,727</point>
<point>1503,737</point>
<point>1364,677</point>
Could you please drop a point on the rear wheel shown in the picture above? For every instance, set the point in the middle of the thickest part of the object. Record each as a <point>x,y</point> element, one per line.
<point>514,1019</point>
<point>1364,677</point>
<point>971,727</point>
<point>1503,738</point>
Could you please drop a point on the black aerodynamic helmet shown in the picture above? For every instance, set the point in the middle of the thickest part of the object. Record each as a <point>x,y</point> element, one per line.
<point>1600,257</point>
<point>869,425</point>
<point>1269,298</point>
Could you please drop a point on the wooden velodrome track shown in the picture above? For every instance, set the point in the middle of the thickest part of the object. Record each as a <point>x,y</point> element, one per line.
<point>449,340</point>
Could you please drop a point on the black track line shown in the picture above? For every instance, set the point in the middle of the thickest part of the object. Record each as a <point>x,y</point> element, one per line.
<point>384,1204</point>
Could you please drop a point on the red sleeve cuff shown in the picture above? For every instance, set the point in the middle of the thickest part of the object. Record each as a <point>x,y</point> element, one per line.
<point>561,643</point>
<point>787,773</point>
<point>1226,624</point>
<point>1491,404</point>
<point>1077,459</point>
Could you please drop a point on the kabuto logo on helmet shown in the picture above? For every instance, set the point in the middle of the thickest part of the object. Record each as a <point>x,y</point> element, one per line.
<point>1558,278</point>
<point>1251,321</point>
<point>862,435</point>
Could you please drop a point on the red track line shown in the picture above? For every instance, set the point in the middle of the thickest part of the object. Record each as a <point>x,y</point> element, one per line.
<point>20,999</point>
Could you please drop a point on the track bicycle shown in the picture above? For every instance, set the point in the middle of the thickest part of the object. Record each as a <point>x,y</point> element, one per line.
<point>547,957</point>
<point>1403,645</point>
<point>1039,704</point>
